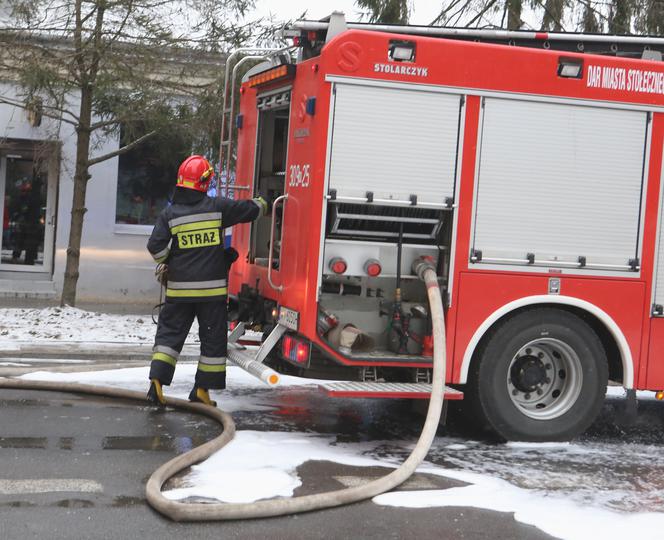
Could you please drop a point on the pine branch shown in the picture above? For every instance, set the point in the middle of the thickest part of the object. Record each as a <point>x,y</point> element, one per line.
<point>442,15</point>
<point>121,150</point>
<point>487,7</point>
<point>56,115</point>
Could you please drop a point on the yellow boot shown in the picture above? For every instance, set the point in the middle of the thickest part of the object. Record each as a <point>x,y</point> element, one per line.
<point>201,395</point>
<point>156,393</point>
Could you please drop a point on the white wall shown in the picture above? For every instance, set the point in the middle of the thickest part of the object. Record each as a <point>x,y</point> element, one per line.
<point>115,265</point>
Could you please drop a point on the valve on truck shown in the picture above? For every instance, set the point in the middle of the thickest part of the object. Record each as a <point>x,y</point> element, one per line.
<point>400,323</point>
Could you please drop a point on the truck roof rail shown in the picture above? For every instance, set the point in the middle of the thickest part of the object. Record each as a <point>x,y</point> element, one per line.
<point>608,44</point>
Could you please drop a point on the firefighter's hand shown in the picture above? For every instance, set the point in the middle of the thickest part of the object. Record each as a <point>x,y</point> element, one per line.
<point>161,272</point>
<point>230,256</point>
<point>266,206</point>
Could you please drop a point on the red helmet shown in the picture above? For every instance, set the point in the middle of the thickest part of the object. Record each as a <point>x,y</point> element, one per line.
<point>195,173</point>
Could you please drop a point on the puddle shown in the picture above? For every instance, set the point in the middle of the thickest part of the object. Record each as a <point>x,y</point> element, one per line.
<point>159,443</point>
<point>23,442</point>
<point>20,402</point>
<point>74,503</point>
<point>66,443</point>
<point>124,501</point>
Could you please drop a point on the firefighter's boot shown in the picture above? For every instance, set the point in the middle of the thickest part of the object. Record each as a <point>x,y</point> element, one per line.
<point>201,395</point>
<point>156,393</point>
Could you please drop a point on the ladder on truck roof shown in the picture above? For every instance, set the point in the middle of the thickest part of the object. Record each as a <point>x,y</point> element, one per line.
<point>646,47</point>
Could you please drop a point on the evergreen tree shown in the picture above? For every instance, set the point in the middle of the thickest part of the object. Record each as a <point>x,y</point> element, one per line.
<point>620,17</point>
<point>554,11</point>
<point>386,11</point>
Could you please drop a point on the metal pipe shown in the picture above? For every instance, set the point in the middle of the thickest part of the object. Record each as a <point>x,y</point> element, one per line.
<point>270,258</point>
<point>229,146</point>
<point>474,33</point>
<point>247,362</point>
<point>236,52</point>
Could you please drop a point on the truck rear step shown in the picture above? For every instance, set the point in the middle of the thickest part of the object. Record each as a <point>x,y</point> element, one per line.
<point>384,390</point>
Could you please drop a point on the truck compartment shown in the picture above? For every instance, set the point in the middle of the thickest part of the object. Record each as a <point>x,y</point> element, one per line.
<point>371,306</point>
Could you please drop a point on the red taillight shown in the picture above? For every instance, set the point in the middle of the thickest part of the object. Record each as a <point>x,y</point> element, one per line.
<point>287,346</point>
<point>295,350</point>
<point>232,325</point>
<point>296,41</point>
<point>338,265</point>
<point>372,268</point>
<point>302,353</point>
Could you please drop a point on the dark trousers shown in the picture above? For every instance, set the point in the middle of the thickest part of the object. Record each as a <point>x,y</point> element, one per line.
<point>175,320</point>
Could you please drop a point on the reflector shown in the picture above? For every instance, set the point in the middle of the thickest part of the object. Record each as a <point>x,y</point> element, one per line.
<point>372,268</point>
<point>338,265</point>
<point>279,72</point>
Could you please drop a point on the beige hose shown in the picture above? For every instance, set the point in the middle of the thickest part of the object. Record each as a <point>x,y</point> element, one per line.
<point>179,511</point>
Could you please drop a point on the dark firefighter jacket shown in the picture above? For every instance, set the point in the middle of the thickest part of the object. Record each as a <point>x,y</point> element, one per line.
<point>188,236</point>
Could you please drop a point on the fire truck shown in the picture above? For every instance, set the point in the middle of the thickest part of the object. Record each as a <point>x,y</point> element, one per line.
<point>525,165</point>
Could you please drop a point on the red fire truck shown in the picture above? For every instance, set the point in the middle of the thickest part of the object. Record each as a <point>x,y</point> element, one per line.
<point>526,165</point>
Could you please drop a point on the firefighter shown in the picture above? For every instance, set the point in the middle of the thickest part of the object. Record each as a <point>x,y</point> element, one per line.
<point>188,238</point>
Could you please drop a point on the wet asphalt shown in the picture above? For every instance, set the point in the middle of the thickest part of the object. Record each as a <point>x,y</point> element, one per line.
<point>94,456</point>
<point>107,449</point>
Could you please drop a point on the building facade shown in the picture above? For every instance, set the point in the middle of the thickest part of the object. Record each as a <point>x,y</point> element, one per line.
<point>37,158</point>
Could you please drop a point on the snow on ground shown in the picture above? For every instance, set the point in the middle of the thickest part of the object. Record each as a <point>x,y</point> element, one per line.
<point>244,472</point>
<point>575,503</point>
<point>73,324</point>
<point>68,324</point>
<point>552,514</point>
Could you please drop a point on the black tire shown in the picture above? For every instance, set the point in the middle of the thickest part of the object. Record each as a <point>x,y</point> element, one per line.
<point>540,375</point>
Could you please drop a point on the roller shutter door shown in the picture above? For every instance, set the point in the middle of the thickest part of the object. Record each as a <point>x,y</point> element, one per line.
<point>559,182</point>
<point>394,143</point>
<point>659,276</point>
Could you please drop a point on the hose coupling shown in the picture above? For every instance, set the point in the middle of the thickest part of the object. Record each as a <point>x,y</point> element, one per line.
<point>422,264</point>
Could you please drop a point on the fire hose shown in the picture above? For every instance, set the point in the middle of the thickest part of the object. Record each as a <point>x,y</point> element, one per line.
<point>179,511</point>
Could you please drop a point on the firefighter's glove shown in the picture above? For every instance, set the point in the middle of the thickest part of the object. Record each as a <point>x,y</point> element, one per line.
<point>264,205</point>
<point>230,256</point>
<point>161,273</point>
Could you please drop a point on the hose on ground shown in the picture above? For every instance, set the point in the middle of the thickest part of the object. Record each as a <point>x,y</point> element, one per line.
<point>179,511</point>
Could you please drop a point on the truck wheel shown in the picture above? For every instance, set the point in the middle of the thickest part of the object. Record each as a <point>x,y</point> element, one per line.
<point>541,376</point>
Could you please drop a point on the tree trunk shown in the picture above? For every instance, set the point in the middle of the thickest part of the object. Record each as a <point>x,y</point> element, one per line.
<point>621,17</point>
<point>553,15</point>
<point>81,177</point>
<point>513,14</point>
<point>590,22</point>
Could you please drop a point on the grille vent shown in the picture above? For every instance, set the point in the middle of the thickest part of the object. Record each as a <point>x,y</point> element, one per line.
<point>381,223</point>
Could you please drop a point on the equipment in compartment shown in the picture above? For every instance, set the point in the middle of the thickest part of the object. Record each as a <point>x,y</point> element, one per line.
<point>369,249</point>
<point>399,323</point>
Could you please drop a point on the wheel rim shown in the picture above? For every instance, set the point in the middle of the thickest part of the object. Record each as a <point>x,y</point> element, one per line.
<point>544,378</point>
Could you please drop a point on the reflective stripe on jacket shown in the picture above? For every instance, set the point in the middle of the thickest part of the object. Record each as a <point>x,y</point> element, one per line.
<point>188,236</point>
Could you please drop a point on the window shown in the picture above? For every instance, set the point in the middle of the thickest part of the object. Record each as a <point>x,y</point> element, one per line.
<point>146,178</point>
